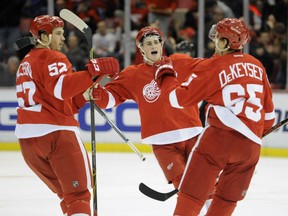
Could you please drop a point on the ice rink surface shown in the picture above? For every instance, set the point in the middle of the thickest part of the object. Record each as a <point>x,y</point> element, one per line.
<point>118,178</point>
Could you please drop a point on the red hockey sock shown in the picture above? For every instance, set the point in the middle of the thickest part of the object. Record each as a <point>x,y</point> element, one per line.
<point>79,207</point>
<point>187,205</point>
<point>221,207</point>
<point>63,206</point>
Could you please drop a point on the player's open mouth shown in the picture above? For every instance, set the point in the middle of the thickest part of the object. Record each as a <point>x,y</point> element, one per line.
<point>154,52</point>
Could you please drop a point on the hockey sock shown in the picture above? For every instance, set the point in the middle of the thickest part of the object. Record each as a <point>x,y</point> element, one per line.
<point>79,208</point>
<point>187,205</point>
<point>221,207</point>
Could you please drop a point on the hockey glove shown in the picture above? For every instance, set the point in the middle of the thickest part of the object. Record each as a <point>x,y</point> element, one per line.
<point>100,67</point>
<point>163,68</point>
<point>93,93</point>
<point>186,47</point>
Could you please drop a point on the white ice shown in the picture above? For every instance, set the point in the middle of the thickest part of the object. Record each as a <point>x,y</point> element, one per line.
<point>118,177</point>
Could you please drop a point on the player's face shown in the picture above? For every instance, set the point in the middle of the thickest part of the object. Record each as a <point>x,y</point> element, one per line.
<point>57,39</point>
<point>152,48</point>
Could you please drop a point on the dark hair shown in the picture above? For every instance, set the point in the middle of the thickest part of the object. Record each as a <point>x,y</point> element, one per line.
<point>151,34</point>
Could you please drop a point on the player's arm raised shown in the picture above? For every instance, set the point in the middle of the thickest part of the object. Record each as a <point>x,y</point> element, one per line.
<point>97,68</point>
<point>100,67</point>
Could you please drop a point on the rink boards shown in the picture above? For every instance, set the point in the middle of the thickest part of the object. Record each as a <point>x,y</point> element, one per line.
<point>126,118</point>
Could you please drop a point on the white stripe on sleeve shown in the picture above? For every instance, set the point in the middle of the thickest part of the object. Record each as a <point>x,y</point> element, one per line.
<point>58,88</point>
<point>173,100</point>
<point>111,101</point>
<point>270,116</point>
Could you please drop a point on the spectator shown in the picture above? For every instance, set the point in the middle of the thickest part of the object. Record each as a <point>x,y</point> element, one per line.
<point>88,14</point>
<point>76,55</point>
<point>216,14</point>
<point>120,38</point>
<point>105,8</point>
<point>178,19</point>
<point>269,23</point>
<point>279,39</point>
<point>161,11</point>
<point>34,8</point>
<point>8,71</point>
<point>226,10</point>
<point>260,47</point>
<point>139,13</point>
<point>187,34</point>
<point>255,8</point>
<point>71,29</point>
<point>276,8</point>
<point>103,42</point>
<point>190,19</point>
<point>59,5</point>
<point>236,6</point>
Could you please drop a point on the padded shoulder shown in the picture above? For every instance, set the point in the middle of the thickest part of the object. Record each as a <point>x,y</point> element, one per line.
<point>179,56</point>
<point>133,68</point>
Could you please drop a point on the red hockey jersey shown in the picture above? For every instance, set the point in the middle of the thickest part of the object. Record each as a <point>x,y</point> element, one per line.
<point>237,90</point>
<point>160,123</point>
<point>45,87</point>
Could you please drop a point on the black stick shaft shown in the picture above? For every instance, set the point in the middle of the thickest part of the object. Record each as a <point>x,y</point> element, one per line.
<point>93,146</point>
<point>93,149</point>
<point>275,127</point>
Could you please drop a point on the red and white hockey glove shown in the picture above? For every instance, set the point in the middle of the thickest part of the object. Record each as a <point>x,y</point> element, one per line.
<point>162,68</point>
<point>100,67</point>
<point>93,93</point>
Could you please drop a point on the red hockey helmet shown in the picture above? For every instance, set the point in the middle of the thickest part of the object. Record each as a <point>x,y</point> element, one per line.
<point>235,30</point>
<point>148,31</point>
<point>45,23</point>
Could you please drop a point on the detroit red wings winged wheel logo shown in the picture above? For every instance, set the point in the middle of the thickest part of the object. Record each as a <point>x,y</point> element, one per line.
<point>151,92</point>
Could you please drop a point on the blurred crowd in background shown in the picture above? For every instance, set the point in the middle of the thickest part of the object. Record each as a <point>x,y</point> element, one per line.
<point>178,20</point>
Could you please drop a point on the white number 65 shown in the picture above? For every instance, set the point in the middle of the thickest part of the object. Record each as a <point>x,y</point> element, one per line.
<point>237,105</point>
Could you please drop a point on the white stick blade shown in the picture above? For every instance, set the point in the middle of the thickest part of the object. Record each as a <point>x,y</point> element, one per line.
<point>72,18</point>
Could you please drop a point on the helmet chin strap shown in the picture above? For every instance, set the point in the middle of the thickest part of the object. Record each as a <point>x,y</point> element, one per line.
<point>217,47</point>
<point>147,60</point>
<point>45,44</point>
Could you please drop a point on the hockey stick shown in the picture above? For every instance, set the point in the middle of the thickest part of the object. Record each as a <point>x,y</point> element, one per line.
<point>164,196</point>
<point>93,149</point>
<point>120,133</point>
<point>84,28</point>
<point>275,127</point>
<point>72,18</point>
<point>155,194</point>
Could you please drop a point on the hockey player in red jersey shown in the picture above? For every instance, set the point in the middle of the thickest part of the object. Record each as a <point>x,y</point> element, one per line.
<point>171,132</point>
<point>49,95</point>
<point>240,110</point>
